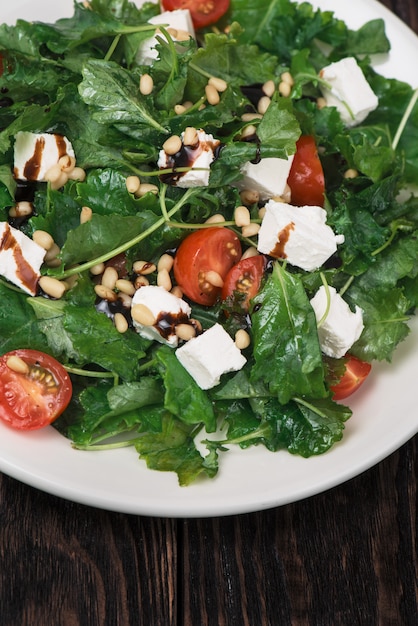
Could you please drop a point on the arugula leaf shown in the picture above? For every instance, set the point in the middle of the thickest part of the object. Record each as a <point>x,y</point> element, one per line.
<point>20,330</point>
<point>286,346</point>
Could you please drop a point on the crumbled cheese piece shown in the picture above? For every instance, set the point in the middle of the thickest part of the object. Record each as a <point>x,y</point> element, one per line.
<point>268,177</point>
<point>341,327</point>
<point>348,91</point>
<point>209,355</point>
<point>168,310</point>
<point>199,157</point>
<point>298,234</point>
<point>36,153</point>
<point>179,19</point>
<point>20,258</point>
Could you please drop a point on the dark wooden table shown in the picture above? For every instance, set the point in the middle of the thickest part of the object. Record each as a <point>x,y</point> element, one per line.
<point>345,557</point>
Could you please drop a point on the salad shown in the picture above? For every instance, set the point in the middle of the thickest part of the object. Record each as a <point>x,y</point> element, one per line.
<point>130,211</point>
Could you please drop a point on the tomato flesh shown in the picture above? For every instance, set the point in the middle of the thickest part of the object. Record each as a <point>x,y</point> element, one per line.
<point>243,281</point>
<point>202,12</point>
<point>207,250</point>
<point>37,397</point>
<point>306,178</point>
<point>356,372</point>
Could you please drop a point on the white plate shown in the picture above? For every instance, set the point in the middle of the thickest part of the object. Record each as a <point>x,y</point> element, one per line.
<point>385,414</point>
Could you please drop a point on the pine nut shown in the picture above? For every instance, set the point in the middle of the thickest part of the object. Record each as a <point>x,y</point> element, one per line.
<point>121,323</point>
<point>165,262</point>
<point>242,339</point>
<point>219,83</point>
<point>176,291</point>
<point>188,104</point>
<point>59,182</point>
<point>144,267</point>
<point>263,104</point>
<point>172,32</point>
<point>287,193</point>
<point>66,163</point>
<point>55,262</point>
<point>141,281</point>
<point>351,173</point>
<point>250,230</point>
<point>52,286</point>
<point>182,35</point>
<point>146,84</point>
<point>185,331</point>
<point>125,300</point>
<point>250,252</point>
<point>212,95</point>
<point>85,214</point>
<point>214,278</point>
<point>269,88</point>
<point>285,89</point>
<point>242,216</point>
<point>261,212</point>
<point>179,109</point>
<point>172,145</point>
<point>190,137</point>
<point>132,184</point>
<point>249,196</point>
<point>53,173</point>
<point>52,253</point>
<point>249,117</point>
<point>21,209</point>
<point>125,286</point>
<point>287,77</point>
<point>164,280</point>
<point>17,364</point>
<point>97,269</point>
<point>321,103</point>
<point>142,315</point>
<point>216,218</point>
<point>43,239</point>
<point>109,278</point>
<point>105,293</point>
<point>196,325</point>
<point>77,174</point>
<point>248,131</point>
<point>145,188</point>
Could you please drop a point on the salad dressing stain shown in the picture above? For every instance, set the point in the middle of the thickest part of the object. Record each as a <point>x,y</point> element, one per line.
<point>33,165</point>
<point>24,271</point>
<point>186,157</point>
<point>166,323</point>
<point>278,251</point>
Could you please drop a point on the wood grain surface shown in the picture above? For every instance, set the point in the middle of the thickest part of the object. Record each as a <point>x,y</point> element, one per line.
<point>345,557</point>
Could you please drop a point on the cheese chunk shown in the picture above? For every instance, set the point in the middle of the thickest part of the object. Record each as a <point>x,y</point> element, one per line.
<point>179,20</point>
<point>348,91</point>
<point>268,177</point>
<point>20,258</point>
<point>298,234</point>
<point>199,157</point>
<point>209,355</point>
<point>341,327</point>
<point>168,310</point>
<point>36,153</point>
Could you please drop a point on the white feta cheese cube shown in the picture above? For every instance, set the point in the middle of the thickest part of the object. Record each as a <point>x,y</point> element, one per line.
<point>36,153</point>
<point>199,157</point>
<point>168,310</point>
<point>20,258</point>
<point>348,91</point>
<point>341,327</point>
<point>298,234</point>
<point>179,20</point>
<point>209,355</point>
<point>268,177</point>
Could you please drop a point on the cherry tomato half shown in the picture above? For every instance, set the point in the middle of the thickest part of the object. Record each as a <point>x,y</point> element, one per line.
<point>306,177</point>
<point>203,12</point>
<point>33,398</point>
<point>356,372</point>
<point>243,281</point>
<point>207,250</point>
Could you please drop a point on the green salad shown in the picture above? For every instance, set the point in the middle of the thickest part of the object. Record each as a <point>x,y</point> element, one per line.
<point>129,104</point>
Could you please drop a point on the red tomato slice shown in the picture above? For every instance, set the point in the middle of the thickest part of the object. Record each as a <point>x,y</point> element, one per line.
<point>34,398</point>
<point>356,372</point>
<point>203,12</point>
<point>243,280</point>
<point>207,250</point>
<point>306,178</point>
